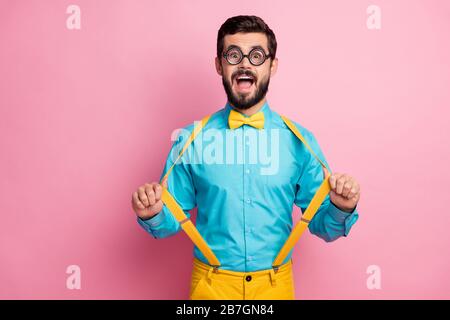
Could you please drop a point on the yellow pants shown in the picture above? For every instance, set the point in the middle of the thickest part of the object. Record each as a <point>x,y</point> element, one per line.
<point>207,284</point>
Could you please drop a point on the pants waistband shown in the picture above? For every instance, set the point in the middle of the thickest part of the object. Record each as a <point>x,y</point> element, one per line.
<point>285,268</point>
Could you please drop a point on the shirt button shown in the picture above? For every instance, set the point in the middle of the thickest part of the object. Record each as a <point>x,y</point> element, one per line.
<point>248,278</point>
<point>247,171</point>
<point>248,200</point>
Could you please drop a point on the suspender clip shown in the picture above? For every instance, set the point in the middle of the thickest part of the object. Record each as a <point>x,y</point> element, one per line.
<point>305,220</point>
<point>184,221</point>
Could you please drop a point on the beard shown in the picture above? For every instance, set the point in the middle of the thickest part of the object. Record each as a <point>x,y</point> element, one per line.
<point>245,101</point>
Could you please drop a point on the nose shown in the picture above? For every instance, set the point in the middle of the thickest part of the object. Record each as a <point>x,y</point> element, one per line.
<point>245,63</point>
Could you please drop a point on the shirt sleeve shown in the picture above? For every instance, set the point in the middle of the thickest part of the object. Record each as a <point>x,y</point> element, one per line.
<point>329,223</point>
<point>180,185</point>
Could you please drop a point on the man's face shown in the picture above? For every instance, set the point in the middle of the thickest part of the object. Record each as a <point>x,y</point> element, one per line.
<point>244,94</point>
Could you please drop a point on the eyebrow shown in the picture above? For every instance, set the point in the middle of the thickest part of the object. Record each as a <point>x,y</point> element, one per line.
<point>251,48</point>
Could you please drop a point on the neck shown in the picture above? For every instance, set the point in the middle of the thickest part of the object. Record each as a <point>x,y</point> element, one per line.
<point>253,109</point>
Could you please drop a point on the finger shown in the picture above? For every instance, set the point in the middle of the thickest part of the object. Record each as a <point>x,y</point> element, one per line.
<point>333,180</point>
<point>150,194</point>
<point>352,193</point>
<point>137,202</point>
<point>355,190</point>
<point>348,185</point>
<point>340,184</point>
<point>158,191</point>
<point>143,196</point>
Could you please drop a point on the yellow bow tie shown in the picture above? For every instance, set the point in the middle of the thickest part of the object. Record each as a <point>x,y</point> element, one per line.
<point>236,119</point>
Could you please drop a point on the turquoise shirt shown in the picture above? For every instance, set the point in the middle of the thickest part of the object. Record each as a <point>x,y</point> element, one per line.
<point>245,197</point>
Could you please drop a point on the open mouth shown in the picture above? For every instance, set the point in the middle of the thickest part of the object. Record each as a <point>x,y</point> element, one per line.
<point>244,83</point>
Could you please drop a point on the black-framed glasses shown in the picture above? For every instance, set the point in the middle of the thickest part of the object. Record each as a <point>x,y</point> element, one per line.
<point>256,56</point>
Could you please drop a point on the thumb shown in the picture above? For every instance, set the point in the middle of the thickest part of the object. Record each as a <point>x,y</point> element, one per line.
<point>164,182</point>
<point>325,172</point>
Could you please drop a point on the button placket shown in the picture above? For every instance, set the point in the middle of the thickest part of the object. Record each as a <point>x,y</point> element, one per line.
<point>245,187</point>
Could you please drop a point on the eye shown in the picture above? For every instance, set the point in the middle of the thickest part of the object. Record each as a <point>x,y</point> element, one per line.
<point>257,57</point>
<point>233,56</point>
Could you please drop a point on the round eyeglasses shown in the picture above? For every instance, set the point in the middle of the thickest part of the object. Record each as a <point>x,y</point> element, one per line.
<point>256,56</point>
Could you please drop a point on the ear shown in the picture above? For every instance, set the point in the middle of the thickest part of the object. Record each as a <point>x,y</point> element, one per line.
<point>218,66</point>
<point>274,67</point>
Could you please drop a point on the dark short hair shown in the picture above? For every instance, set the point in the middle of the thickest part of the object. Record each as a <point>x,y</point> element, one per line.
<point>246,24</point>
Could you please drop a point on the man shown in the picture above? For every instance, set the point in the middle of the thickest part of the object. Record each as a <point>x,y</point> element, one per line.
<point>244,203</point>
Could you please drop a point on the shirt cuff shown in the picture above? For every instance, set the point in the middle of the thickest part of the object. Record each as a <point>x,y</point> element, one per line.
<point>153,221</point>
<point>346,218</point>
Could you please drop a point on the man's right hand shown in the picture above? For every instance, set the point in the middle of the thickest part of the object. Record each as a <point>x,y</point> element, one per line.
<point>146,201</point>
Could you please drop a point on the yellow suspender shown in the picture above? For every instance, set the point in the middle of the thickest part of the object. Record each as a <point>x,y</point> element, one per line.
<point>310,211</point>
<point>178,212</point>
<point>297,231</point>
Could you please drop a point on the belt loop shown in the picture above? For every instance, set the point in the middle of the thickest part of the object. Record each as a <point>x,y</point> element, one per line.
<point>273,279</point>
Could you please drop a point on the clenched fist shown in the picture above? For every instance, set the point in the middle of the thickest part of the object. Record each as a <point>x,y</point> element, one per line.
<point>146,201</point>
<point>345,191</point>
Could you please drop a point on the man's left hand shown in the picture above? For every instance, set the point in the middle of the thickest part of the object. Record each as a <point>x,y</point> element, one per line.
<point>345,191</point>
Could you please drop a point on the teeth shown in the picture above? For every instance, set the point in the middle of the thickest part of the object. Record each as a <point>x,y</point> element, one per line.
<point>244,77</point>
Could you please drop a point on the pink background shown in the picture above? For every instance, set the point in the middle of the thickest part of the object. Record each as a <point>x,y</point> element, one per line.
<point>86,117</point>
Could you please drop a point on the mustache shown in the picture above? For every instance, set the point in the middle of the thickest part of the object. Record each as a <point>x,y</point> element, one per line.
<point>243,72</point>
